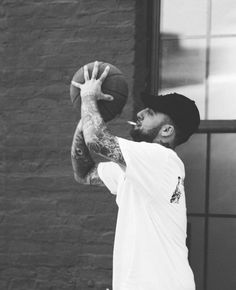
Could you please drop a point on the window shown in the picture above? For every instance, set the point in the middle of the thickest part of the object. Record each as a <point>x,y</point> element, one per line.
<point>193,52</point>
<point>197,44</point>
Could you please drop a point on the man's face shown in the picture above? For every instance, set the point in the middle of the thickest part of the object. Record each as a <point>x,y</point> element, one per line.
<point>148,125</point>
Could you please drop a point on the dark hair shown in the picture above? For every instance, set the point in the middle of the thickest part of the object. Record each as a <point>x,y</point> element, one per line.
<point>180,137</point>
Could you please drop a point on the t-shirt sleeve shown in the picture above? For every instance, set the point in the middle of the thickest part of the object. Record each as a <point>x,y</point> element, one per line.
<point>143,154</point>
<point>145,164</point>
<point>111,174</point>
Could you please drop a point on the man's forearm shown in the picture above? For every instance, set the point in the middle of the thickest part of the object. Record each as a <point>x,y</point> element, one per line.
<point>81,160</point>
<point>96,134</point>
<point>93,125</point>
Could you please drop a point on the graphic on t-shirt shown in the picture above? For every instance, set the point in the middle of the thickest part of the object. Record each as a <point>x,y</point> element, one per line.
<point>178,191</point>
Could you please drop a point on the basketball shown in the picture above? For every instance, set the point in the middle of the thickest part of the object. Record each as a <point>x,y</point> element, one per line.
<point>114,84</point>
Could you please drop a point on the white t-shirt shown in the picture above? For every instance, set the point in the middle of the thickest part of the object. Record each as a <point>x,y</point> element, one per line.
<point>150,252</point>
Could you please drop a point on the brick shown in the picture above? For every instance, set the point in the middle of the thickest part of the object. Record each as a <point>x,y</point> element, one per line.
<point>86,203</point>
<point>97,249</point>
<point>97,261</point>
<point>9,205</point>
<point>100,222</point>
<point>54,232</point>
<point>57,234</point>
<point>107,238</point>
<point>44,259</point>
<point>3,284</point>
<point>91,277</point>
<point>54,285</point>
<point>18,272</point>
<point>35,139</point>
<point>23,283</point>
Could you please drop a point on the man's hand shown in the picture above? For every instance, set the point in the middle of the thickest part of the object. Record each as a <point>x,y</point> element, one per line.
<point>93,86</point>
<point>96,135</point>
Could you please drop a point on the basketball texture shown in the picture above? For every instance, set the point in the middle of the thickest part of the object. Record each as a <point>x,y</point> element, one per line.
<point>114,84</point>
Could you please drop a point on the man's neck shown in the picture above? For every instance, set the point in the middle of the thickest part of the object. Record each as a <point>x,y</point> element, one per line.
<point>164,143</point>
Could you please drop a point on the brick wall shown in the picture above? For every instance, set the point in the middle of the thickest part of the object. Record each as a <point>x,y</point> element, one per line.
<point>54,233</point>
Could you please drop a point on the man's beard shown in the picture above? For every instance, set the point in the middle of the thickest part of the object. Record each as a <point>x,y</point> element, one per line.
<point>139,135</point>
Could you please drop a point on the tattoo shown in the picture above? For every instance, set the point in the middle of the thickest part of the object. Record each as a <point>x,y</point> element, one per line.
<point>83,165</point>
<point>96,134</point>
<point>93,177</point>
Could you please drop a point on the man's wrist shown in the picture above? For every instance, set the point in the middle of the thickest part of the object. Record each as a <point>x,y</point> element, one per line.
<point>91,95</point>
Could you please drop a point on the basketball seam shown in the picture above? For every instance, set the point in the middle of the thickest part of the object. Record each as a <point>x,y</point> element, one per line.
<point>115,74</point>
<point>110,113</point>
<point>107,91</point>
<point>112,91</point>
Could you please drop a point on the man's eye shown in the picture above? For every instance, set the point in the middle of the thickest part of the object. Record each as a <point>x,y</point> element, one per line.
<point>150,112</point>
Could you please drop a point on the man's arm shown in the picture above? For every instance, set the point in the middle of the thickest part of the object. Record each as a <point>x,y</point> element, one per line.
<point>96,134</point>
<point>84,168</point>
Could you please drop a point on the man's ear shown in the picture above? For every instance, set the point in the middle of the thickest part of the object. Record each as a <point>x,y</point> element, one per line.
<point>167,130</point>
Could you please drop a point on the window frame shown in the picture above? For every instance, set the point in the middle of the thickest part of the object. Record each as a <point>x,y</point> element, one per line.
<point>207,126</point>
<point>153,66</point>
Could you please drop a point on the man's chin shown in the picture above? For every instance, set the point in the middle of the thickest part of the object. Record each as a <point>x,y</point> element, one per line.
<point>138,136</point>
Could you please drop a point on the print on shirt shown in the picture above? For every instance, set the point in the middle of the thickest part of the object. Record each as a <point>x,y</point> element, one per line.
<point>178,191</point>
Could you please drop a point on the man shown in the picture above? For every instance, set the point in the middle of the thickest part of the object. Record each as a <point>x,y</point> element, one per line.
<point>147,177</point>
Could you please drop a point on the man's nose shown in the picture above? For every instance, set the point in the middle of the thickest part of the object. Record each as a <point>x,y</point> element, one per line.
<point>139,115</point>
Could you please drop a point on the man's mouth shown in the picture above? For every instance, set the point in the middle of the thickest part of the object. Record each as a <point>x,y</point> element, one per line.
<point>138,123</point>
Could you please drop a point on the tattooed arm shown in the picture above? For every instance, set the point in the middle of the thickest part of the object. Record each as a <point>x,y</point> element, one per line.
<point>96,134</point>
<point>84,168</point>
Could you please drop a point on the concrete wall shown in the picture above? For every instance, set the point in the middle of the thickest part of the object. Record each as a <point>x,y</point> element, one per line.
<point>54,233</point>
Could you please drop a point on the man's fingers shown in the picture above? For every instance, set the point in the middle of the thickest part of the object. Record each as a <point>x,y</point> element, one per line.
<point>95,70</point>
<point>75,84</point>
<point>86,73</point>
<point>104,74</point>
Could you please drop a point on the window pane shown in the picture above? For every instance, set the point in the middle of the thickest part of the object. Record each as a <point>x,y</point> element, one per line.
<point>183,17</point>
<point>223,174</point>
<point>182,69</point>
<point>196,248</point>
<point>221,254</point>
<point>223,17</point>
<point>193,154</point>
<point>222,80</point>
